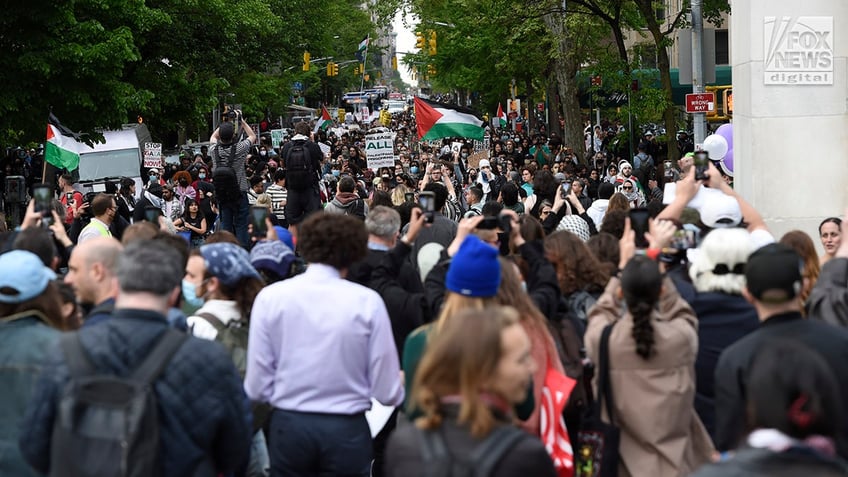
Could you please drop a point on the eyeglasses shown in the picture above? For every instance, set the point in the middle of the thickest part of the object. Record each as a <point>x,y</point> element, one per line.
<point>628,188</point>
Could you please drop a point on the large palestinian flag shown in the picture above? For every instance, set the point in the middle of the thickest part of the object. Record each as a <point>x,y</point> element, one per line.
<point>437,120</point>
<point>62,147</point>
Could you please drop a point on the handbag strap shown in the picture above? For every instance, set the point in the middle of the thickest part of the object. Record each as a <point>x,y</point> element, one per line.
<point>605,397</point>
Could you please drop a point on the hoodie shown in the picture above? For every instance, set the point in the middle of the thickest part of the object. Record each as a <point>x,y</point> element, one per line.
<point>597,211</point>
<point>347,203</point>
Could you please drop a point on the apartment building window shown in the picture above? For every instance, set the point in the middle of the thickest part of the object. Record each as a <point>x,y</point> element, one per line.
<point>722,47</point>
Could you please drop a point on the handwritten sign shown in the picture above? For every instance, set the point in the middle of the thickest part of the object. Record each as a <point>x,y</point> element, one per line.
<point>152,155</point>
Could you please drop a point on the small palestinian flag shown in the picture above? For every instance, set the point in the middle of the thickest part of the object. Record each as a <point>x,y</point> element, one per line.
<point>324,121</point>
<point>437,120</point>
<point>501,116</point>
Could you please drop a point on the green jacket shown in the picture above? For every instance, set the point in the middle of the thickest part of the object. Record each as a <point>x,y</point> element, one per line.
<point>413,351</point>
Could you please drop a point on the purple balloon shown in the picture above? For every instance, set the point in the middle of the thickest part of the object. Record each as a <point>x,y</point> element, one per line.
<point>726,131</point>
<point>727,160</point>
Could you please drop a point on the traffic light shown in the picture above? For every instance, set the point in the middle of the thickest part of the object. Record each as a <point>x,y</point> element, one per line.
<point>330,68</point>
<point>419,40</point>
<point>335,69</point>
<point>306,58</point>
<point>432,43</point>
<point>394,62</point>
<point>728,102</point>
<point>431,70</point>
<point>362,68</point>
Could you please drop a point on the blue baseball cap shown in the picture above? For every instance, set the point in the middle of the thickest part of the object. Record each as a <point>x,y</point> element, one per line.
<point>24,277</point>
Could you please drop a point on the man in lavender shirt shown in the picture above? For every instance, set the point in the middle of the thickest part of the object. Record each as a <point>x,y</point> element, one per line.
<point>320,347</point>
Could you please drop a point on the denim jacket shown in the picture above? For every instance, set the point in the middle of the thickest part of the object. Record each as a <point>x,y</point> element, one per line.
<point>25,340</point>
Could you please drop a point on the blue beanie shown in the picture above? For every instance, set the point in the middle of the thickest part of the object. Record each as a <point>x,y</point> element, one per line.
<point>474,270</point>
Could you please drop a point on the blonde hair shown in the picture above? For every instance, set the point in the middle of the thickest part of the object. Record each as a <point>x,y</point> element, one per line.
<point>263,200</point>
<point>455,303</point>
<point>460,360</point>
<point>399,194</point>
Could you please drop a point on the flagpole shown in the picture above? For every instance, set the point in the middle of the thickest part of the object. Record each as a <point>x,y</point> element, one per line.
<point>364,60</point>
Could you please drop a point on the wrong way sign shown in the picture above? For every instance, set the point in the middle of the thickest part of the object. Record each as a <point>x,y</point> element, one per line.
<point>700,103</point>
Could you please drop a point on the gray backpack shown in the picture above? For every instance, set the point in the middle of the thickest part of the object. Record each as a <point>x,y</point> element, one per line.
<point>440,462</point>
<point>108,425</point>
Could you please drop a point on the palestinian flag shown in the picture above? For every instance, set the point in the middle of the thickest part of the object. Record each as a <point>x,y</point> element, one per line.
<point>62,146</point>
<point>363,45</point>
<point>501,116</point>
<point>324,121</point>
<point>437,120</point>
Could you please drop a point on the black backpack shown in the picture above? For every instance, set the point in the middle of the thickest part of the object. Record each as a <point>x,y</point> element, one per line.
<point>298,164</point>
<point>224,178</point>
<point>108,425</point>
<point>439,462</point>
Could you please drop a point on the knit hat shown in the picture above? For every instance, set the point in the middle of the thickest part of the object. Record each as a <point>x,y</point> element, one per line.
<point>28,280</point>
<point>228,262</point>
<point>273,256</point>
<point>773,273</point>
<point>474,270</point>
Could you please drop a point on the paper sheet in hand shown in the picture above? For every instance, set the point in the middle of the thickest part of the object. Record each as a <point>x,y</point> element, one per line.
<point>704,194</point>
<point>378,416</point>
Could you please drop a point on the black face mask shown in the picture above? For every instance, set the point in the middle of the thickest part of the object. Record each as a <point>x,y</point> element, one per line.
<point>183,182</point>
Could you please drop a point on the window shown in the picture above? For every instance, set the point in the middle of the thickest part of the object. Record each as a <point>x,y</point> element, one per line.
<point>722,47</point>
<point>646,53</point>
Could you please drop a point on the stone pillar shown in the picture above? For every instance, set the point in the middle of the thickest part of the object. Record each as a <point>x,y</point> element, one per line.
<point>790,119</point>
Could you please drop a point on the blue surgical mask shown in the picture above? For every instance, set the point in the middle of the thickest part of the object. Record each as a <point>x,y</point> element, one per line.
<point>413,170</point>
<point>154,178</point>
<point>190,294</point>
<point>202,175</point>
<point>336,173</point>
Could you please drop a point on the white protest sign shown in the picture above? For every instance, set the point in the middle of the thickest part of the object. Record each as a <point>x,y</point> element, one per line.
<point>455,147</point>
<point>379,150</point>
<point>152,155</point>
<point>277,136</point>
<point>325,148</point>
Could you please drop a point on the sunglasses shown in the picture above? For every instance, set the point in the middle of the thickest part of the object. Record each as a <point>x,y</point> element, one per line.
<point>628,188</point>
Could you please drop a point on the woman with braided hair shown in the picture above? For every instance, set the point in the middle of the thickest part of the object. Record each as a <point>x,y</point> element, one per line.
<point>652,350</point>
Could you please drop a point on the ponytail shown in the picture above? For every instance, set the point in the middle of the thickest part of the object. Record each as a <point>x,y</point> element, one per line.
<point>641,283</point>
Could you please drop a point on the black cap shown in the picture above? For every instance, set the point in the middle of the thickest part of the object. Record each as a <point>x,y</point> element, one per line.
<point>774,273</point>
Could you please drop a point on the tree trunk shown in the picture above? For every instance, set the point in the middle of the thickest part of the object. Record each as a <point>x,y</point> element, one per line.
<point>552,94</point>
<point>566,66</point>
<point>646,8</point>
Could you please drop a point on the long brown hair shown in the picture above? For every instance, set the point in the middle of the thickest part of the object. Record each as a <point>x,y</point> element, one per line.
<point>803,245</point>
<point>48,304</point>
<point>577,268</point>
<point>460,360</point>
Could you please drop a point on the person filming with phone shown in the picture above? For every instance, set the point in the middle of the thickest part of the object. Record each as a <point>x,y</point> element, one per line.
<point>228,155</point>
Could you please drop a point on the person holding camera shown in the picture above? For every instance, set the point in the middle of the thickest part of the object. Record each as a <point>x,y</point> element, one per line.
<point>229,156</point>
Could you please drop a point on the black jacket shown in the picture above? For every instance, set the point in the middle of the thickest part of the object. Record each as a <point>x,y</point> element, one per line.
<point>403,454</point>
<point>722,320</point>
<point>205,415</point>
<point>829,341</point>
<point>314,153</point>
<point>748,462</point>
<point>390,274</point>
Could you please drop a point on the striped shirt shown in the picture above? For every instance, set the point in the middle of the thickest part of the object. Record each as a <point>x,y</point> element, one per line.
<point>278,195</point>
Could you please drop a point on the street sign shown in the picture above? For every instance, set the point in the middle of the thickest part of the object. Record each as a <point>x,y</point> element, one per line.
<point>700,103</point>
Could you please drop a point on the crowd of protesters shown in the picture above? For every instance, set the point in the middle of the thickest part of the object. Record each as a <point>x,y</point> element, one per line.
<point>514,305</point>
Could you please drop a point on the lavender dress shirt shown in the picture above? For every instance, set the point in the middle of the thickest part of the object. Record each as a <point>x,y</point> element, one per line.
<point>319,343</point>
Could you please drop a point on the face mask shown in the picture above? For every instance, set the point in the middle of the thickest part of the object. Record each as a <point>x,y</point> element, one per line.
<point>413,170</point>
<point>202,175</point>
<point>154,178</point>
<point>336,172</point>
<point>263,153</point>
<point>190,294</point>
<point>464,155</point>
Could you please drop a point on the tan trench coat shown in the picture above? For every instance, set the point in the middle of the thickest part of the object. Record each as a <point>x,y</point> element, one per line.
<point>661,435</point>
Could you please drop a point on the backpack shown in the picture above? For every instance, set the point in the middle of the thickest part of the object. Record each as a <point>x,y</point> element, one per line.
<point>108,425</point>
<point>298,164</point>
<point>357,210</point>
<point>224,178</point>
<point>438,461</point>
<point>233,336</point>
